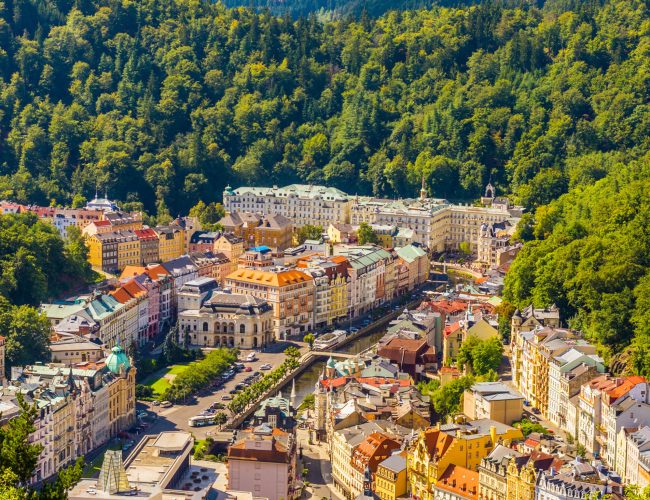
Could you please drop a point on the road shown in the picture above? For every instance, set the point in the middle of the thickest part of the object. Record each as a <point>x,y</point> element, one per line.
<point>176,417</point>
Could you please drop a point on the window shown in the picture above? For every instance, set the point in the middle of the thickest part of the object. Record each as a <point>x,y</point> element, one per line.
<point>205,326</point>
<point>242,328</point>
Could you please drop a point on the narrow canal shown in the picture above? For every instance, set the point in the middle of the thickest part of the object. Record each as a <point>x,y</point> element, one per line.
<point>306,381</point>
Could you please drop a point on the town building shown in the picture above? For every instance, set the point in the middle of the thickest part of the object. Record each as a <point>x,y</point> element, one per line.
<point>417,261</point>
<point>72,350</point>
<point>272,230</point>
<point>462,444</point>
<point>456,483</point>
<point>522,471</point>
<point>275,411</point>
<point>159,467</point>
<point>343,443</point>
<point>600,412</point>
<point>492,473</point>
<point>288,291</point>
<point>577,480</point>
<point>390,478</point>
<point>371,268</point>
<point>203,241</point>
<point>303,204</point>
<point>566,374</point>
<point>229,320</point>
<point>171,241</point>
<point>414,356</point>
<point>80,407</point>
<point>524,322</point>
<point>366,456</point>
<point>263,461</point>
<point>331,281</point>
<point>149,246</point>
<point>340,232</point>
<point>494,401</point>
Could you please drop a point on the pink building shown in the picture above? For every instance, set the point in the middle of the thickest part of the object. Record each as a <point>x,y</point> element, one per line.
<point>264,463</point>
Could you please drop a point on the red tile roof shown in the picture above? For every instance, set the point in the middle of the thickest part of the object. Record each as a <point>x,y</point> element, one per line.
<point>459,480</point>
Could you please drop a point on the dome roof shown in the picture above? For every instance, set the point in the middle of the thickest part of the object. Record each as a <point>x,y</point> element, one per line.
<point>118,359</point>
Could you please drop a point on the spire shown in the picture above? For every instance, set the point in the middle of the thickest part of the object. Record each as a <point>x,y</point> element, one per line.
<point>423,191</point>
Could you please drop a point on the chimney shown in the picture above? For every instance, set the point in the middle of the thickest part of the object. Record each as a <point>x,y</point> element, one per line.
<point>493,435</point>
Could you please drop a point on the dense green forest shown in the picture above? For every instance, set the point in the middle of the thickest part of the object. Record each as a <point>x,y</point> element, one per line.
<point>164,103</point>
<point>333,9</point>
<point>589,252</point>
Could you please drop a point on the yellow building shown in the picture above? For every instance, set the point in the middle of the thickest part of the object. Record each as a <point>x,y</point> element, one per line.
<point>390,478</point>
<point>232,247</point>
<point>111,252</point>
<point>171,241</point>
<point>521,479</point>
<point>462,445</point>
<point>457,333</point>
<point>121,392</point>
<point>128,249</point>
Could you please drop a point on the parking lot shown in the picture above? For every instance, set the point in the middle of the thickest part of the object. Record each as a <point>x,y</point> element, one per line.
<point>177,417</point>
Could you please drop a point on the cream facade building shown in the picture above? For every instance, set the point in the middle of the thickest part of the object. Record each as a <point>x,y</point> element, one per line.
<point>229,320</point>
<point>303,204</point>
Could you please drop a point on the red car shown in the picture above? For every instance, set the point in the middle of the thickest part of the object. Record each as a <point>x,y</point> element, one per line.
<point>248,369</point>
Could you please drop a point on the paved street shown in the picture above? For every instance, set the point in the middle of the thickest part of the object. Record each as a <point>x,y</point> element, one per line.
<point>176,417</point>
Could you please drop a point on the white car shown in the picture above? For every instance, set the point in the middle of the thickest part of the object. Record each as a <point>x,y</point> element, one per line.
<point>265,366</point>
<point>165,404</point>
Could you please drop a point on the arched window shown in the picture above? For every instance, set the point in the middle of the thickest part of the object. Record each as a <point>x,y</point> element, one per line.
<point>205,326</point>
<point>255,328</point>
<point>242,328</point>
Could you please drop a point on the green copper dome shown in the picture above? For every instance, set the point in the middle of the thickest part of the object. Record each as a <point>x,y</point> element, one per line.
<point>117,359</point>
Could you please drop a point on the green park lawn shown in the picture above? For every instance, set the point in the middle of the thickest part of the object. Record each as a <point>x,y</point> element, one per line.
<point>158,381</point>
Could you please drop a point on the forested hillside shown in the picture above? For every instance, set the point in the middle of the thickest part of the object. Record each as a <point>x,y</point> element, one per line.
<point>164,102</point>
<point>332,9</point>
<point>590,254</point>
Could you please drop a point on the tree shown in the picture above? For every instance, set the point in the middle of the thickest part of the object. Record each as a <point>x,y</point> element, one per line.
<point>527,427</point>
<point>208,215</point>
<point>292,352</point>
<point>465,248</point>
<point>19,457</point>
<point>309,232</point>
<point>27,336</point>
<point>446,399</point>
<point>220,418</point>
<point>366,234</point>
<point>481,356</point>
<point>309,338</point>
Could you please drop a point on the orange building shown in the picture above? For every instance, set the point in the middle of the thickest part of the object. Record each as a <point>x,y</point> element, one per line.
<point>290,293</point>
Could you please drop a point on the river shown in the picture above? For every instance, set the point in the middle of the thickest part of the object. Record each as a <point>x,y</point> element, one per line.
<point>306,381</point>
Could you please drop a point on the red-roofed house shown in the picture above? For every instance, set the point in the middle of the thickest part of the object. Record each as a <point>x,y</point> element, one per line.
<point>376,448</point>
<point>457,482</point>
<point>149,245</point>
<point>411,355</point>
<point>264,463</point>
<point>598,408</point>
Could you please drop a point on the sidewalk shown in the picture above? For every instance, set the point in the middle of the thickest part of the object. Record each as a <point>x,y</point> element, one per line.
<point>319,469</point>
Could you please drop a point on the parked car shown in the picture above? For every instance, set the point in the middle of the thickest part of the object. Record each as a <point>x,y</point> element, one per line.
<point>535,411</point>
<point>155,403</point>
<point>265,366</point>
<point>248,369</point>
<point>533,419</point>
<point>226,397</point>
<point>166,404</point>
